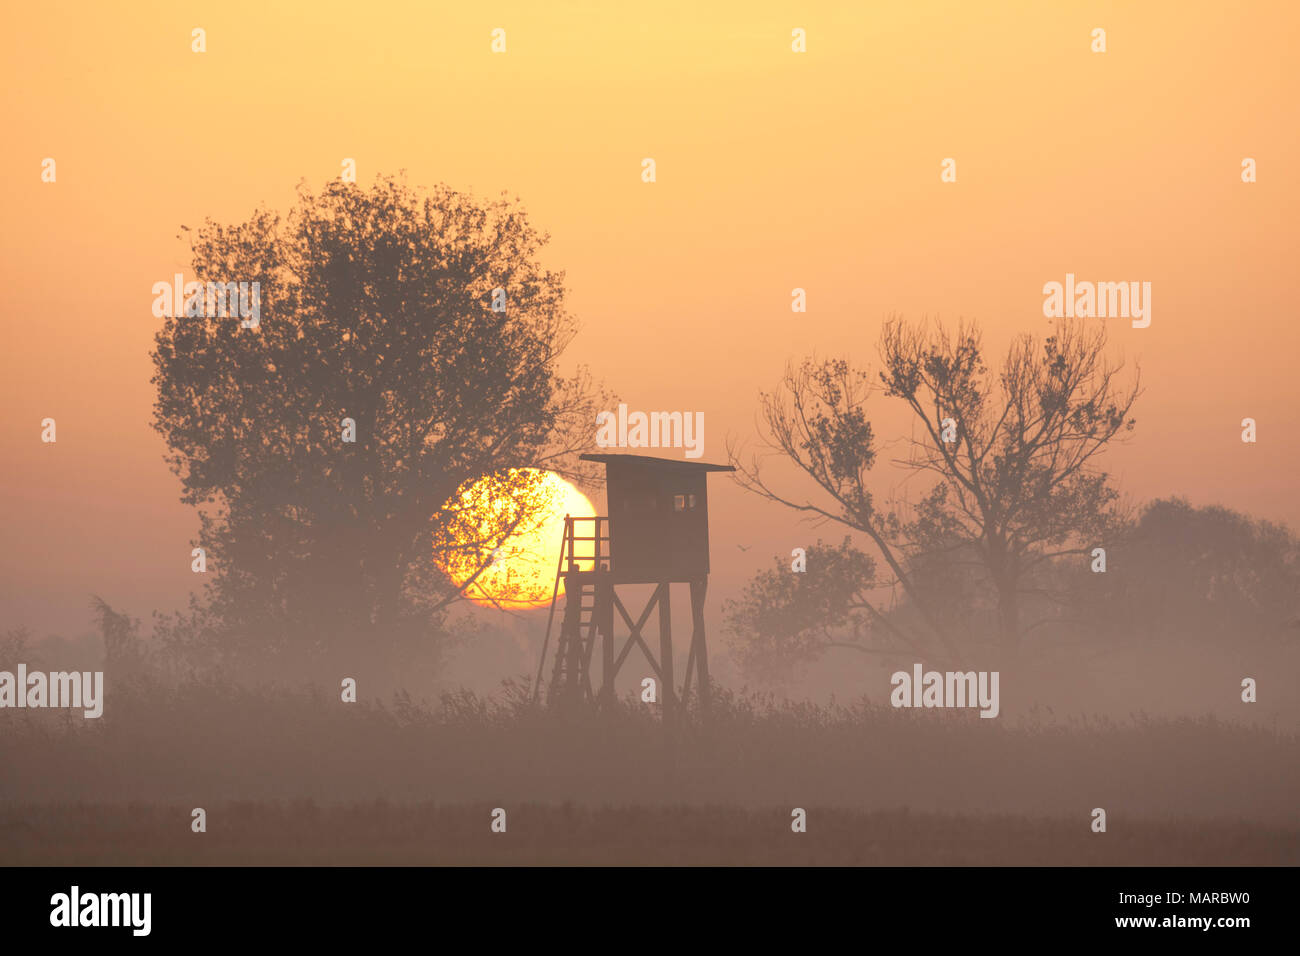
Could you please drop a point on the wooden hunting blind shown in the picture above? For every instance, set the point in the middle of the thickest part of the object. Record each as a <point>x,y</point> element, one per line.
<point>658,517</point>
<point>656,532</point>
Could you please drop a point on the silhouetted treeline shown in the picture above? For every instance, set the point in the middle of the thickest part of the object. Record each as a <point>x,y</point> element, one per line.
<point>1175,576</point>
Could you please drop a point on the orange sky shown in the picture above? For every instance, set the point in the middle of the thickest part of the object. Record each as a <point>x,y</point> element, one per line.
<point>775,170</point>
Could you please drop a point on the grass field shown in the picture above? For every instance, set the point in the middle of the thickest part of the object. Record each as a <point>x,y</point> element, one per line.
<point>299,778</point>
<point>303,833</point>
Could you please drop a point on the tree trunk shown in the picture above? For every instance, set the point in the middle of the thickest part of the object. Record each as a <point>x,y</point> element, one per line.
<point>1009,617</point>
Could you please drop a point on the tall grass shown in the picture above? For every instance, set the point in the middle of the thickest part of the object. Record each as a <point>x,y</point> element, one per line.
<point>204,741</point>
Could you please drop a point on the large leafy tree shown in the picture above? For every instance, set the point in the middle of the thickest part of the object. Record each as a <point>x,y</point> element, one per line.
<point>377,305</point>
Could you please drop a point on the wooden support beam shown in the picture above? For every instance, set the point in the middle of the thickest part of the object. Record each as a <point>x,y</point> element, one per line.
<point>699,646</point>
<point>690,671</point>
<point>635,637</point>
<point>667,692</point>
<point>604,616</point>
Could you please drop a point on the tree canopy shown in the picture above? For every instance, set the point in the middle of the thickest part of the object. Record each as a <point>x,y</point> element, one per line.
<point>377,306</point>
<point>1012,457</point>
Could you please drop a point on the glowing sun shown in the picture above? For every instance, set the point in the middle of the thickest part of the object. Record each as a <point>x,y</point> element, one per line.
<point>514,524</point>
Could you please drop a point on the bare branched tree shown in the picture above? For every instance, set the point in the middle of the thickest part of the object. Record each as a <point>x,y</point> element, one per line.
<point>1017,480</point>
<point>1014,455</point>
<point>817,420</point>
